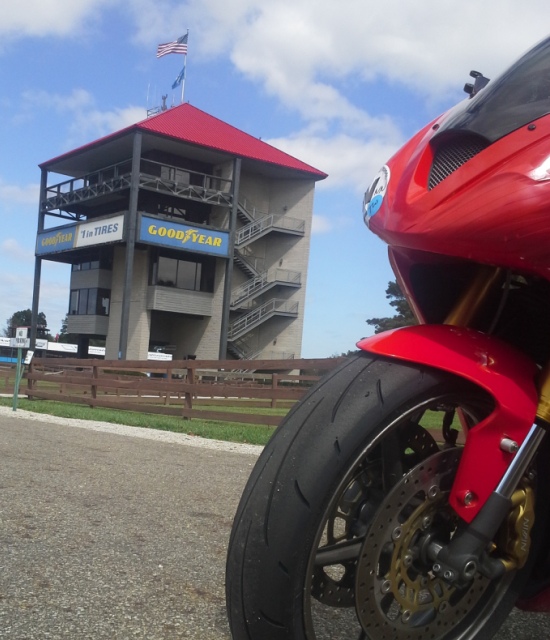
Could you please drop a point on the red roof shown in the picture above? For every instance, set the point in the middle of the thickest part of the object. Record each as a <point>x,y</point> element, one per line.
<point>193,126</point>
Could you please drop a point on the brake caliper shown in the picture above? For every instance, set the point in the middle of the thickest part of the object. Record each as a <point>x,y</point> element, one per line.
<point>513,540</point>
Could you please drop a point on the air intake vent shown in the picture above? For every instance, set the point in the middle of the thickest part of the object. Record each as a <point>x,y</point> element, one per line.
<point>451,155</point>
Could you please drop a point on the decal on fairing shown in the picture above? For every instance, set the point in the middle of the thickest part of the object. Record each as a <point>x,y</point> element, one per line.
<point>375,194</point>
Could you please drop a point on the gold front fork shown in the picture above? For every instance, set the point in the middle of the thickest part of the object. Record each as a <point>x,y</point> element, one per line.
<point>543,409</point>
<point>469,304</point>
<point>467,307</point>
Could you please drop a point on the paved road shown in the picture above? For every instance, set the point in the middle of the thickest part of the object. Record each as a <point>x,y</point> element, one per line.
<point>113,537</point>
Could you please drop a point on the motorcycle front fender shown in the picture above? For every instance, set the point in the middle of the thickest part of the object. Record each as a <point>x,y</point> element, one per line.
<point>498,368</point>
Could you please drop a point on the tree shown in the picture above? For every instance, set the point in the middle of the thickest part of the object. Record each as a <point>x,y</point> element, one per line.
<point>404,316</point>
<point>24,319</point>
<point>64,335</point>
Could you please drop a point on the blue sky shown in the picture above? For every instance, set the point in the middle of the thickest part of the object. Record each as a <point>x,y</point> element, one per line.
<point>338,85</point>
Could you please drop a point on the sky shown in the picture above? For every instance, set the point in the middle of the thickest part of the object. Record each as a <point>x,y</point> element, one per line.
<point>339,85</point>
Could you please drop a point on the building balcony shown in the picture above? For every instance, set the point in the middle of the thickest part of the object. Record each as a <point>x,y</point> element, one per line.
<point>153,176</point>
<point>94,325</point>
<point>195,303</point>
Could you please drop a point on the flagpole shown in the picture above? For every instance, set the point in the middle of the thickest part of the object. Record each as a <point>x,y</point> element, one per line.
<point>185,66</point>
<point>183,81</point>
<point>178,46</point>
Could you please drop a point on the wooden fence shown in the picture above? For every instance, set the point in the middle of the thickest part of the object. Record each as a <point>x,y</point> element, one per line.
<point>7,378</point>
<point>206,389</point>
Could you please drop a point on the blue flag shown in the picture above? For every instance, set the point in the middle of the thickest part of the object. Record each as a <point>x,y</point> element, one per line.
<point>180,78</point>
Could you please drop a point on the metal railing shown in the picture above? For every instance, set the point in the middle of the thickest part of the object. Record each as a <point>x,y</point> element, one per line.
<point>153,175</point>
<point>271,222</point>
<point>267,279</point>
<point>259,315</point>
<point>107,180</point>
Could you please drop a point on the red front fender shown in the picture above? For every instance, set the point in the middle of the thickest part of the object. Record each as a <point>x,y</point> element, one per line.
<point>504,372</point>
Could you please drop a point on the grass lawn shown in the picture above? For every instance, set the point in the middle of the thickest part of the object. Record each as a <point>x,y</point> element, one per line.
<point>229,431</point>
<point>216,430</point>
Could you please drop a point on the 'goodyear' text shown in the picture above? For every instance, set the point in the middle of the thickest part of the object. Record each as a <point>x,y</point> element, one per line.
<point>59,238</point>
<point>190,235</point>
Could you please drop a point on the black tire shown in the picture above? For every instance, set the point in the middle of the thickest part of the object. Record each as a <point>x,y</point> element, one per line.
<point>322,480</point>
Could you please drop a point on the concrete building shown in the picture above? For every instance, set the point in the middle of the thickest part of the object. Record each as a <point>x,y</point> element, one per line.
<point>184,235</point>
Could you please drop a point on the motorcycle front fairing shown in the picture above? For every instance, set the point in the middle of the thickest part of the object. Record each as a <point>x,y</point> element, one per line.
<point>472,188</point>
<point>475,183</point>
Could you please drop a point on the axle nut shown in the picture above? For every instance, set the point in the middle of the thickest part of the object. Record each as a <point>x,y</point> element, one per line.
<point>508,445</point>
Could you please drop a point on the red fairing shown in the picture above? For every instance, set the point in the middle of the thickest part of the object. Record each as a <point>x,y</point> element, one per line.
<point>494,209</point>
<point>501,370</point>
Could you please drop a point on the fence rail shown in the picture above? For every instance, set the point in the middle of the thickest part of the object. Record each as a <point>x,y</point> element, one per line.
<point>206,389</point>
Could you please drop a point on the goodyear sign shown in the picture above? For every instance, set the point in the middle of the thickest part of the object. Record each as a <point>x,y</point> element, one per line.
<point>80,235</point>
<point>55,240</point>
<point>183,236</point>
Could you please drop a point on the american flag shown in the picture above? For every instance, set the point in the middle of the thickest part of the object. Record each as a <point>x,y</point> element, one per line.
<point>178,46</point>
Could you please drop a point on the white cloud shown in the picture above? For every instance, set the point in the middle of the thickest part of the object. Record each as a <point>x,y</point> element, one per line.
<point>94,123</point>
<point>12,250</point>
<point>428,45</point>
<point>54,293</point>
<point>300,51</point>
<point>17,295</point>
<point>350,161</point>
<point>46,18</point>
<point>307,54</point>
<point>321,224</point>
<point>86,121</point>
<point>11,194</point>
<point>77,100</point>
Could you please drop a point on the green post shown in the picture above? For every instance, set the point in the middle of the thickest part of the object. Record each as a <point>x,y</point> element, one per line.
<point>18,372</point>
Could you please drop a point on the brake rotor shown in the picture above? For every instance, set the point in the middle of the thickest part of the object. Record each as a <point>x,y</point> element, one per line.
<point>334,584</point>
<point>397,595</point>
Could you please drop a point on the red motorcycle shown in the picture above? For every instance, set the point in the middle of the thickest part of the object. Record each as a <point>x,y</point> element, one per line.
<point>406,496</point>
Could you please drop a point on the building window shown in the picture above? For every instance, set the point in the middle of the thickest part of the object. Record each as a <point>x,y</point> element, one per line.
<point>183,274</point>
<point>101,260</point>
<point>86,265</point>
<point>95,302</point>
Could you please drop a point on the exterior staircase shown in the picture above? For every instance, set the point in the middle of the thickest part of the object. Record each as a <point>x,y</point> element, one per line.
<point>256,225</point>
<point>245,264</point>
<point>261,283</point>
<point>258,228</point>
<point>260,314</point>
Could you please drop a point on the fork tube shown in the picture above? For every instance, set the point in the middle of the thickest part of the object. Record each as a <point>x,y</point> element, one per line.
<point>543,409</point>
<point>473,297</point>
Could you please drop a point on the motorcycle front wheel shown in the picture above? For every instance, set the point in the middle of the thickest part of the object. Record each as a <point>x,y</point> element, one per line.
<point>327,539</point>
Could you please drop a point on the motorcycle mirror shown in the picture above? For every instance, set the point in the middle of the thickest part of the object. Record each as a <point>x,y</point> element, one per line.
<point>480,82</point>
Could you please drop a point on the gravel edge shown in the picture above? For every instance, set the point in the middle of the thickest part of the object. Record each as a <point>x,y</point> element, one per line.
<point>135,432</point>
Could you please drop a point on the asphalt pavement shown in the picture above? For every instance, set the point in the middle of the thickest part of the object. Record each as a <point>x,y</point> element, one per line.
<point>109,536</point>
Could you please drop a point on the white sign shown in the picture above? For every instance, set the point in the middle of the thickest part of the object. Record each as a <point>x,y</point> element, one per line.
<point>28,357</point>
<point>21,340</point>
<point>99,232</point>
<point>15,343</point>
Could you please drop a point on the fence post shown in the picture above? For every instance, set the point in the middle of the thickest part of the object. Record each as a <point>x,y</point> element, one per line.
<point>94,386</point>
<point>189,394</point>
<point>30,383</point>
<point>168,379</point>
<point>274,386</point>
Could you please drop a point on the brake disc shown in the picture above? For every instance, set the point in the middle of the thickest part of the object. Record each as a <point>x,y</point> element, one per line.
<point>334,585</point>
<point>397,594</point>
